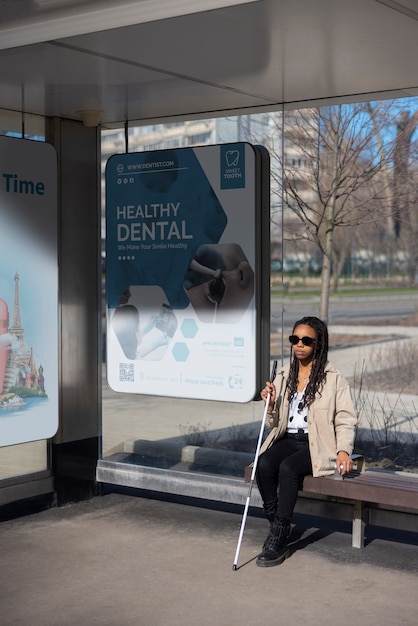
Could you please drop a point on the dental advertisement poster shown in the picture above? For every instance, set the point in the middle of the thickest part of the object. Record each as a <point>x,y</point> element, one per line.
<point>28,291</point>
<point>182,271</point>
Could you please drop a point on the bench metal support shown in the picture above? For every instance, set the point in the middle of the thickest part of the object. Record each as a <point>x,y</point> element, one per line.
<point>360,520</point>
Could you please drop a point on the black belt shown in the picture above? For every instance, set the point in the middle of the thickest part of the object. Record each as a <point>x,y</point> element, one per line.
<point>299,436</point>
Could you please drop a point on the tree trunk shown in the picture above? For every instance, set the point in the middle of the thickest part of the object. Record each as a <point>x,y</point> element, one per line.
<point>326,262</point>
<point>413,245</point>
<point>325,284</point>
<point>329,223</point>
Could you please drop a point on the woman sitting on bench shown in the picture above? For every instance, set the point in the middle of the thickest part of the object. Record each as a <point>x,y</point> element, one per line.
<point>313,429</point>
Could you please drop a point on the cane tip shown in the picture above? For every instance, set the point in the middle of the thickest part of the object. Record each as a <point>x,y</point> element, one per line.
<point>234,568</point>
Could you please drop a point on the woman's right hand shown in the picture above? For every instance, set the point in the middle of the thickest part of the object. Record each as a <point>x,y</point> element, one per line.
<point>269,389</point>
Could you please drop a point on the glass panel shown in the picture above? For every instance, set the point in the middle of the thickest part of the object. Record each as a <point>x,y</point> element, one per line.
<point>156,431</point>
<point>26,458</point>
<point>350,254</point>
<point>345,169</point>
<point>10,123</point>
<point>25,125</point>
<point>34,127</point>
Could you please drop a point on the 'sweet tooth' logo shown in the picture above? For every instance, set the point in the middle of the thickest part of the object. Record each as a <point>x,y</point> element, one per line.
<point>232,158</point>
<point>233,166</point>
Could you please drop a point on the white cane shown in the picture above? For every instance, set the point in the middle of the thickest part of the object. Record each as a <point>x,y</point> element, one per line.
<point>255,462</point>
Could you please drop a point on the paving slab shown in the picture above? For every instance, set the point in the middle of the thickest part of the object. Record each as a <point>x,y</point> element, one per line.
<point>120,560</point>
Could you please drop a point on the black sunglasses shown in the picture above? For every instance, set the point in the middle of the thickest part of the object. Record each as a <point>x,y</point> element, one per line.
<point>307,341</point>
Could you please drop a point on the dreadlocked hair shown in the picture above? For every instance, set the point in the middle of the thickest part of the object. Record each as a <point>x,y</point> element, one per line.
<point>320,357</point>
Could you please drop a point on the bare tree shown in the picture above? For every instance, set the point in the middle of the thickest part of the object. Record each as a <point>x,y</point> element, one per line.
<point>408,237</point>
<point>404,195</point>
<point>401,189</point>
<point>330,177</point>
<point>399,171</point>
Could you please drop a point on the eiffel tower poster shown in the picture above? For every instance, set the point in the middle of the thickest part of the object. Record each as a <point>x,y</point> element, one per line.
<point>28,292</point>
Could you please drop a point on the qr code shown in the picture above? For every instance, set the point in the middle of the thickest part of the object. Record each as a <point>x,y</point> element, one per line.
<point>126,372</point>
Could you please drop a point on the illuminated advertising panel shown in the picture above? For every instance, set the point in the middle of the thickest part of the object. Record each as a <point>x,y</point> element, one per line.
<point>28,291</point>
<point>184,279</point>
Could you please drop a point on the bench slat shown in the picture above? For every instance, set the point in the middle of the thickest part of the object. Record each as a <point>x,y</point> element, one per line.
<point>371,486</point>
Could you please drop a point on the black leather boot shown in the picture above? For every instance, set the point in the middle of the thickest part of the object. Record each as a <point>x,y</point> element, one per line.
<point>275,549</point>
<point>270,509</point>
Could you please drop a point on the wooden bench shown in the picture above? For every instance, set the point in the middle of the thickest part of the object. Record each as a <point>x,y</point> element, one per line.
<point>365,488</point>
<point>384,488</point>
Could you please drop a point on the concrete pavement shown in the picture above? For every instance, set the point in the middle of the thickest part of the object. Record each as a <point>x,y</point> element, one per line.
<point>127,559</point>
<point>120,560</point>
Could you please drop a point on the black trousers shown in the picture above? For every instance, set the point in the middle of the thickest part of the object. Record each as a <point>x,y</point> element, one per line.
<point>280,472</point>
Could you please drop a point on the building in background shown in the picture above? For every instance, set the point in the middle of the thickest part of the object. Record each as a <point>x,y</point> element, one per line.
<point>255,129</point>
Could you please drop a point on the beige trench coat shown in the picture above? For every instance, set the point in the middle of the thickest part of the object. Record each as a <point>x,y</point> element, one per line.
<point>332,420</point>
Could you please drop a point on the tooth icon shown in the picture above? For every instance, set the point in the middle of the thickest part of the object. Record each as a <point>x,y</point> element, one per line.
<point>232,158</point>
